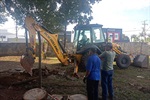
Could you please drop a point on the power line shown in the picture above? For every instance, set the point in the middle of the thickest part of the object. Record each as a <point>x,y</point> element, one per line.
<point>131,30</point>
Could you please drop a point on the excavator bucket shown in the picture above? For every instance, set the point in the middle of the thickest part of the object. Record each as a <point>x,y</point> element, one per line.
<point>27,62</point>
<point>141,61</point>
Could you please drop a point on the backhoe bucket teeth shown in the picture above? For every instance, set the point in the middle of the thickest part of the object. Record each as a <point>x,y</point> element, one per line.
<point>27,62</point>
<point>141,61</point>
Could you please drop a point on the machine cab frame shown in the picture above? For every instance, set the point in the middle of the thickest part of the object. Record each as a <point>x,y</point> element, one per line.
<point>86,34</point>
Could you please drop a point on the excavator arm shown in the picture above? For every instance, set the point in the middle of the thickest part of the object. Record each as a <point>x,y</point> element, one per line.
<point>33,27</point>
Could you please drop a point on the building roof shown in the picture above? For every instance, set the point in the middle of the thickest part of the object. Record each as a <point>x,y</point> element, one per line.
<point>5,32</point>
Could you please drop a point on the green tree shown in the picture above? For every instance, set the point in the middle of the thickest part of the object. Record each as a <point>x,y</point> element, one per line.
<point>125,38</point>
<point>3,14</point>
<point>148,38</point>
<point>54,14</point>
<point>135,38</point>
<point>142,37</point>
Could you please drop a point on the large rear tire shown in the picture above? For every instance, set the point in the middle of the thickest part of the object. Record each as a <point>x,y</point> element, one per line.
<point>123,61</point>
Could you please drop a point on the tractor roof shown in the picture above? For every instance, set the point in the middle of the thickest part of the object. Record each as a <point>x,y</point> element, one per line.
<point>87,26</point>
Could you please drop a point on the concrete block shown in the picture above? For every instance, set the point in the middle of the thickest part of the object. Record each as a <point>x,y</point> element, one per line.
<point>141,61</point>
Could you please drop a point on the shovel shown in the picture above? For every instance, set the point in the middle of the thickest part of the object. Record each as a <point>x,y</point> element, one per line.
<point>27,62</point>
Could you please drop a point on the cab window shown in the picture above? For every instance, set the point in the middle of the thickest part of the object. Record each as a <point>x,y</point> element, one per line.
<point>98,35</point>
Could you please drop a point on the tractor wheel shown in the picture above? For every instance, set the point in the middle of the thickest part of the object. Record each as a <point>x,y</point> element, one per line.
<point>123,61</point>
<point>83,62</point>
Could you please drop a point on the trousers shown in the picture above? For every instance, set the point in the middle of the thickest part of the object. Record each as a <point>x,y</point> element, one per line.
<point>107,85</point>
<point>92,89</point>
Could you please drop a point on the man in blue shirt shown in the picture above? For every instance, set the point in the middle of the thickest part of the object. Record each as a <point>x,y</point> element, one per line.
<point>92,74</point>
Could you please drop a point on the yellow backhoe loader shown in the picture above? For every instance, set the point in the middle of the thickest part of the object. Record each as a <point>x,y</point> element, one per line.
<point>85,37</point>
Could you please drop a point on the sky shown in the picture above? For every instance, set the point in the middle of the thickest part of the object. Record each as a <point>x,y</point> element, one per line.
<point>126,14</point>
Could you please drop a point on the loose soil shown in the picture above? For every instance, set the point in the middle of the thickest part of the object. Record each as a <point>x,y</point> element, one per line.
<point>129,84</point>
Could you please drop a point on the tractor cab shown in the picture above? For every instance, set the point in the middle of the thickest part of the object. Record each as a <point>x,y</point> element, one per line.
<point>92,36</point>
<point>88,34</point>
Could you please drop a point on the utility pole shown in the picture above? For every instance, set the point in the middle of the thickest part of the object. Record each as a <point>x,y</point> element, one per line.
<point>143,33</point>
<point>144,27</point>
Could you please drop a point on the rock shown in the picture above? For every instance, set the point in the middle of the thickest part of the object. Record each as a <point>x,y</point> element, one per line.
<point>78,97</point>
<point>35,94</point>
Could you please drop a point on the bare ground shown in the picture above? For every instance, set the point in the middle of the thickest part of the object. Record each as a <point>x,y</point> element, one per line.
<point>129,84</point>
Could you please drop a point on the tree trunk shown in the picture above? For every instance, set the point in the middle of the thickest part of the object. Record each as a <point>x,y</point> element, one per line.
<point>65,36</point>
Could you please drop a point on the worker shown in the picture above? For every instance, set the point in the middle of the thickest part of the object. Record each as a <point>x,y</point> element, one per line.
<point>92,75</point>
<point>107,57</point>
<point>84,39</point>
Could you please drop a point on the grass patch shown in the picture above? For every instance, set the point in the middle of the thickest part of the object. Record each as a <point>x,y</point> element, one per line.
<point>132,83</point>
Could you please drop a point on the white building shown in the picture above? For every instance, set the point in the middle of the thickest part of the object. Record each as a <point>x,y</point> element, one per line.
<point>7,37</point>
<point>4,35</point>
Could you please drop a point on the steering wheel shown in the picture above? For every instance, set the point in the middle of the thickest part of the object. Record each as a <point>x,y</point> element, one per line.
<point>82,42</point>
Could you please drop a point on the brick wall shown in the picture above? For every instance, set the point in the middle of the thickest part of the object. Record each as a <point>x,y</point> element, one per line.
<point>12,49</point>
<point>17,49</point>
<point>135,47</point>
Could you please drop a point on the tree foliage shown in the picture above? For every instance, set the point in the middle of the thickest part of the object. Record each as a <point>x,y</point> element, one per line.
<point>3,14</point>
<point>125,38</point>
<point>135,38</point>
<point>54,14</point>
<point>140,38</point>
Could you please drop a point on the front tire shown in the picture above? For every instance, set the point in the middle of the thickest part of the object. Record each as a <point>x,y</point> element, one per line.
<point>123,61</point>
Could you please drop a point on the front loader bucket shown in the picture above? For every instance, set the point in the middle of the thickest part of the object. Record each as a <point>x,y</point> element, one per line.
<point>27,62</point>
<point>141,61</point>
